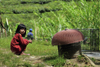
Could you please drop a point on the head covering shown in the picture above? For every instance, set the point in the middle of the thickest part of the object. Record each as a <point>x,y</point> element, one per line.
<point>21,26</point>
<point>30,30</point>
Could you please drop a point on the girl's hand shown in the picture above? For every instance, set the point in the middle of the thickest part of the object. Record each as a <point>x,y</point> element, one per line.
<point>30,41</point>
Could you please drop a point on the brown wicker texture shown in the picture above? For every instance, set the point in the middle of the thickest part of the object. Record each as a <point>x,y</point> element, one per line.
<point>67,36</point>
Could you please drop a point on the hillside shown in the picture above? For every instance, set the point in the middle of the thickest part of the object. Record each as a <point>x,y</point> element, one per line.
<point>46,17</point>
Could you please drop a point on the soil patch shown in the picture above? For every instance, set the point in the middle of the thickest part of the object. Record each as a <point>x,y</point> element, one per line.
<point>78,61</point>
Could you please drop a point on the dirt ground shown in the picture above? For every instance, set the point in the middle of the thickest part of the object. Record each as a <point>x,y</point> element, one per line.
<point>77,62</point>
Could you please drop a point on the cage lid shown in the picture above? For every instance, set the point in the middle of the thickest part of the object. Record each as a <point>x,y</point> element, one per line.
<point>67,36</point>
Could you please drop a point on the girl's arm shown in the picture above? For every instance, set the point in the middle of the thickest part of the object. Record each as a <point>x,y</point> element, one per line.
<point>23,41</point>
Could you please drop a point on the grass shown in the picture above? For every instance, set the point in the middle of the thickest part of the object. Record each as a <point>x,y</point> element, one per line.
<point>42,48</point>
<point>37,48</point>
<point>54,61</point>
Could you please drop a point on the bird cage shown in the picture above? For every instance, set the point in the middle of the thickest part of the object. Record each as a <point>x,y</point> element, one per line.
<point>68,42</point>
<point>91,41</point>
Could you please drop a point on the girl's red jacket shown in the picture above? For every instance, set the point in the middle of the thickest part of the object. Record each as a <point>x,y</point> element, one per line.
<point>18,44</point>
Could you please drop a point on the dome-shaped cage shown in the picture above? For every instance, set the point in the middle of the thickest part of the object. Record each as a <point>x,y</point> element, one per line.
<point>67,36</point>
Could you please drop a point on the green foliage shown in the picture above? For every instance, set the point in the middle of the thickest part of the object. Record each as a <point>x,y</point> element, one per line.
<point>82,59</point>
<point>93,59</point>
<point>10,7</point>
<point>72,15</point>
